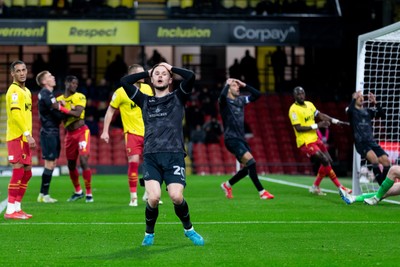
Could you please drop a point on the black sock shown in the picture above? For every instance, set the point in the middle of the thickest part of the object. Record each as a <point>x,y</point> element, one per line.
<point>254,177</point>
<point>378,174</point>
<point>239,176</point>
<point>384,173</point>
<point>151,218</point>
<point>46,179</point>
<point>182,211</point>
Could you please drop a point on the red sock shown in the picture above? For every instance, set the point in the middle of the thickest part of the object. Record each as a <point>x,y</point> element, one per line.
<point>87,177</point>
<point>74,175</point>
<point>320,175</point>
<point>23,185</point>
<point>331,173</point>
<point>133,168</point>
<point>13,186</point>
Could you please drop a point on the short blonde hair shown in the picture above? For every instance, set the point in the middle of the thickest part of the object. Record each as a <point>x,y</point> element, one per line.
<point>40,76</point>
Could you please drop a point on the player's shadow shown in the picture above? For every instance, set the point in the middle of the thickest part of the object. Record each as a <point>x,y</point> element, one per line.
<point>136,253</point>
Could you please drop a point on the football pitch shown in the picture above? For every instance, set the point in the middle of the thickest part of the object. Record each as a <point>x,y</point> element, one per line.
<point>294,229</point>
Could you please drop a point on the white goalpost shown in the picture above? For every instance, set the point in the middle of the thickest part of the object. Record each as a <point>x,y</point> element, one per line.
<point>378,71</point>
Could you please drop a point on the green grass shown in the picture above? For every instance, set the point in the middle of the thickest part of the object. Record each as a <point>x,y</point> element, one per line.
<point>294,229</point>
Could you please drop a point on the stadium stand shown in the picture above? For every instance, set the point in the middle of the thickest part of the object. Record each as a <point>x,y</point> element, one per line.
<point>161,9</point>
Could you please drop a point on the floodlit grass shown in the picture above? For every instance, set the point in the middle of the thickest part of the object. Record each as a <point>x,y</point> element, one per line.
<point>294,229</point>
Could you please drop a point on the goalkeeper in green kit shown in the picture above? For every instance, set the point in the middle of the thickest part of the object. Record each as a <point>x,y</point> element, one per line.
<point>389,187</point>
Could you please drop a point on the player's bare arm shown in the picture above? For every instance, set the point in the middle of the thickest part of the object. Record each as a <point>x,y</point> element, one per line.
<point>325,117</point>
<point>107,121</point>
<point>321,124</point>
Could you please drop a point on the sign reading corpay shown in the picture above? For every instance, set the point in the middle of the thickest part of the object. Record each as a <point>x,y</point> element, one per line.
<point>218,33</point>
<point>93,32</point>
<point>264,33</point>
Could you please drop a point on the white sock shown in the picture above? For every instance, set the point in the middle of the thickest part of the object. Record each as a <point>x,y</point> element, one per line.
<point>10,208</point>
<point>191,228</point>
<point>228,184</point>
<point>17,206</point>
<point>261,192</point>
<point>133,195</point>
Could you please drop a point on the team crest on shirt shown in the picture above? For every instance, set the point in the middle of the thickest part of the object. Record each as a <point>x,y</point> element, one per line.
<point>14,97</point>
<point>294,116</point>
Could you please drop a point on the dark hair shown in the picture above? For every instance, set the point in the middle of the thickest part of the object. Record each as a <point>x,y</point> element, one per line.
<point>16,62</point>
<point>298,89</point>
<point>70,78</point>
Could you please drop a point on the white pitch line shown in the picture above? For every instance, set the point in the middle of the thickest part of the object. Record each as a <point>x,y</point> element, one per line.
<point>3,204</point>
<point>272,180</point>
<point>203,223</point>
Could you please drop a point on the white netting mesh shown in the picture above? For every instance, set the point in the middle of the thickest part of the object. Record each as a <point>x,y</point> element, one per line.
<point>379,73</point>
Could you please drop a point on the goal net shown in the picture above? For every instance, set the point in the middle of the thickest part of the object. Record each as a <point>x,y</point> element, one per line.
<point>378,71</point>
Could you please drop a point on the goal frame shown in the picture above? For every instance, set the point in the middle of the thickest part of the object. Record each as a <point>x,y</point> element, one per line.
<point>362,39</point>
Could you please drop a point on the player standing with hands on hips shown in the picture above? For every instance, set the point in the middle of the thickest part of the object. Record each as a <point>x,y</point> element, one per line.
<point>164,152</point>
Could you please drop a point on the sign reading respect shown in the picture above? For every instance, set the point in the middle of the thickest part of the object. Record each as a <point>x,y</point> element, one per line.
<point>93,32</point>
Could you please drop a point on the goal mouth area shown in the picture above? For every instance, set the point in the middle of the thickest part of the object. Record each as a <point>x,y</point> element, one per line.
<point>378,72</point>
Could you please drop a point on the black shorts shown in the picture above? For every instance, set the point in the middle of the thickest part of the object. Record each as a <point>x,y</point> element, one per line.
<point>164,167</point>
<point>237,147</point>
<point>363,148</point>
<point>50,144</point>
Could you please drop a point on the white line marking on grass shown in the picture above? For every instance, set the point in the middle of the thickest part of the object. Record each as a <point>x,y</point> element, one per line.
<point>3,205</point>
<point>203,223</point>
<point>272,180</point>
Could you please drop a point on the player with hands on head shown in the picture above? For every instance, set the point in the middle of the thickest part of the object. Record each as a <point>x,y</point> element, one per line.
<point>164,152</point>
<point>132,122</point>
<point>303,115</point>
<point>365,144</point>
<point>232,104</point>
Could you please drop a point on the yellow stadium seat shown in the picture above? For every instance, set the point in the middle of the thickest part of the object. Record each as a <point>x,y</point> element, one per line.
<point>186,3</point>
<point>18,3</point>
<point>127,3</point>
<point>113,3</point>
<point>228,3</point>
<point>46,2</point>
<point>34,3</point>
<point>241,3</point>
